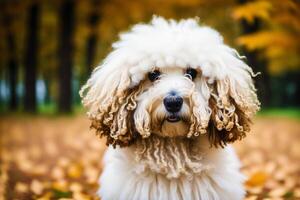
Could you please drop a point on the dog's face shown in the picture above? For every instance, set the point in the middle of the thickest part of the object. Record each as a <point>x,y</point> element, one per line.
<point>168,100</point>
<point>173,80</point>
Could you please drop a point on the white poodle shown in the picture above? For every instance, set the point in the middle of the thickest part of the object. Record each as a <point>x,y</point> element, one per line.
<point>169,98</point>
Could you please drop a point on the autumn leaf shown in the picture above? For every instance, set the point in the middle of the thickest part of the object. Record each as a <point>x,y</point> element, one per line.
<point>36,187</point>
<point>21,187</point>
<point>266,39</point>
<point>252,10</point>
<point>257,179</point>
<point>74,170</point>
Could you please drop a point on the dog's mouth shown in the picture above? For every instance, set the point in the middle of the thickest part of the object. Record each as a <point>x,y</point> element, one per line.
<point>173,118</point>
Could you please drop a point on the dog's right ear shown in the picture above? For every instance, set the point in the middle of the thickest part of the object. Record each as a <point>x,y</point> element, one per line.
<point>110,102</point>
<point>233,102</point>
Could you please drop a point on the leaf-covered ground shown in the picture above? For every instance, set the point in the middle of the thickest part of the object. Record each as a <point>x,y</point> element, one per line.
<point>59,158</point>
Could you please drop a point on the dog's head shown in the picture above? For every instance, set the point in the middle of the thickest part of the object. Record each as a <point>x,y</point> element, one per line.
<point>173,79</point>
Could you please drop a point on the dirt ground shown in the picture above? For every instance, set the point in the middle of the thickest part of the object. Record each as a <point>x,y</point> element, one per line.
<point>60,158</point>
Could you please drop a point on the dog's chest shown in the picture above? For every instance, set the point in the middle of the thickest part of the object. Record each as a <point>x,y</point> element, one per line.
<point>178,174</point>
<point>170,157</point>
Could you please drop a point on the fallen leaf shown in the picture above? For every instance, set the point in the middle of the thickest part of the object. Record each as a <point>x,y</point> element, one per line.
<point>257,179</point>
<point>297,192</point>
<point>81,196</point>
<point>251,198</point>
<point>74,170</point>
<point>36,187</point>
<point>278,192</point>
<point>57,173</point>
<point>46,196</point>
<point>76,187</point>
<point>61,185</point>
<point>21,187</point>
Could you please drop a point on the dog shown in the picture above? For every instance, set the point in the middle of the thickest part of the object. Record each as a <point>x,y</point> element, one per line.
<point>169,99</point>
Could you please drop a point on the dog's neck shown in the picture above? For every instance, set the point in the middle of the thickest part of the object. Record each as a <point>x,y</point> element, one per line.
<point>172,157</point>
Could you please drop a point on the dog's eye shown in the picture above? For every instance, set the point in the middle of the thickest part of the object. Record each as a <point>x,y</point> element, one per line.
<point>191,73</point>
<point>154,75</point>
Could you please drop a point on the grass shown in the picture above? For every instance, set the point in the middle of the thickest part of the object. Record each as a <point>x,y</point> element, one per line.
<point>282,112</point>
<point>51,110</point>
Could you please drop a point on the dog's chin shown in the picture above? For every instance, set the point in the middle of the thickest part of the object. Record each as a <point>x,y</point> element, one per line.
<point>173,118</point>
<point>174,126</point>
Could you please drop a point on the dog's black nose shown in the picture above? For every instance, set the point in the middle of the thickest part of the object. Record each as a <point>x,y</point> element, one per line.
<point>173,103</point>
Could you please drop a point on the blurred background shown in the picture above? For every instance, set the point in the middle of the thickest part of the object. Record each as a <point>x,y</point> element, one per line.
<point>48,49</point>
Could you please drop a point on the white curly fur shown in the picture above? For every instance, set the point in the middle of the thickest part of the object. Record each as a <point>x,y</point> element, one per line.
<point>124,177</point>
<point>160,159</point>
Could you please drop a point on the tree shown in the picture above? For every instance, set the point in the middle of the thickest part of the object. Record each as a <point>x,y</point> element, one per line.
<point>65,56</point>
<point>7,21</point>
<point>271,36</point>
<point>30,63</point>
<point>48,54</point>
<point>91,44</point>
<point>262,82</point>
<point>12,72</point>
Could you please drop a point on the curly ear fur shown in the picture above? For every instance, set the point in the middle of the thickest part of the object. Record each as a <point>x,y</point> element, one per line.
<point>110,102</point>
<point>200,109</point>
<point>232,107</point>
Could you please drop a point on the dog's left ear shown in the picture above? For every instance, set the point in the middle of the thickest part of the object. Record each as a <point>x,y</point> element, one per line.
<point>110,101</point>
<point>233,103</point>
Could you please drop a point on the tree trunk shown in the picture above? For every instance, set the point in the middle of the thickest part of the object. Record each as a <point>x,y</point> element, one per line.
<point>91,44</point>
<point>297,94</point>
<point>48,92</point>
<point>66,15</point>
<point>12,65</point>
<point>90,53</point>
<point>13,74</point>
<point>294,85</point>
<point>31,58</point>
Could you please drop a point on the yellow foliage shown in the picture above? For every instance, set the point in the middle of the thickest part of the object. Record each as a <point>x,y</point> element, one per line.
<point>264,39</point>
<point>287,61</point>
<point>186,2</point>
<point>278,36</point>
<point>251,10</point>
<point>289,19</point>
<point>257,179</point>
<point>280,48</point>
